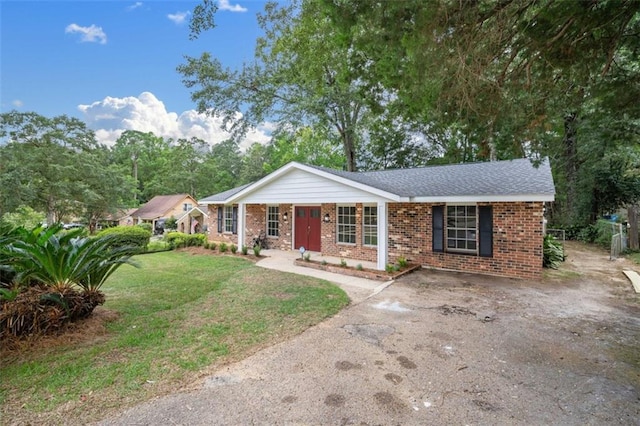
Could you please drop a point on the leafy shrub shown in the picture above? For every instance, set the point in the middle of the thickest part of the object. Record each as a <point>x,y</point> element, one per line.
<point>245,250</point>
<point>145,226</point>
<point>223,247</point>
<point>359,267</point>
<point>256,250</point>
<point>157,246</point>
<point>343,263</point>
<point>553,252</point>
<point>233,248</point>
<point>307,257</point>
<point>212,245</point>
<point>324,262</point>
<point>206,245</point>
<point>127,236</point>
<point>389,268</point>
<point>402,262</point>
<point>171,224</point>
<point>180,239</point>
<point>50,266</point>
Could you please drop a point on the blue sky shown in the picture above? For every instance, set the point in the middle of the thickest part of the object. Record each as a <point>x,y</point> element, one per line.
<point>113,63</point>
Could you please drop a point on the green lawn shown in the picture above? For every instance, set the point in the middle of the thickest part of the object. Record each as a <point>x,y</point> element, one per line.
<point>179,316</point>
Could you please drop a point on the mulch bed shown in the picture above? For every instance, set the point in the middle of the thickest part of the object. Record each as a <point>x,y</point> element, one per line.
<point>372,274</point>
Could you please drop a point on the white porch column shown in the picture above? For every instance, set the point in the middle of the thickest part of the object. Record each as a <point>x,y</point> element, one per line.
<point>383,254</point>
<point>240,224</point>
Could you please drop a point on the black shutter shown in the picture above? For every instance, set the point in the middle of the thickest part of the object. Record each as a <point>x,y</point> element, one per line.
<point>485,243</point>
<point>220,217</point>
<point>234,222</point>
<point>437,217</point>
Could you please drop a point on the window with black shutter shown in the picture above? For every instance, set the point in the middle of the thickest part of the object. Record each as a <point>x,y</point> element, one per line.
<point>437,224</point>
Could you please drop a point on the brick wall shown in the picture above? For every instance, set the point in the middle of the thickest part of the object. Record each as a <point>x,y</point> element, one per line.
<point>256,221</point>
<point>329,238</point>
<point>213,234</point>
<point>517,237</point>
<point>517,240</point>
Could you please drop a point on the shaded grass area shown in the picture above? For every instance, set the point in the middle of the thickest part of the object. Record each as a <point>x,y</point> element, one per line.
<point>178,317</point>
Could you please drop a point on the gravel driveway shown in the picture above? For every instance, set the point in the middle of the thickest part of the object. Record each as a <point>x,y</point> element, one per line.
<point>442,348</point>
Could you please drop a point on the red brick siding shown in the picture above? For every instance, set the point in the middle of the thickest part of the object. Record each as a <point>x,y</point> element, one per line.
<point>329,237</point>
<point>517,237</point>
<point>212,223</point>
<point>256,221</point>
<point>517,240</point>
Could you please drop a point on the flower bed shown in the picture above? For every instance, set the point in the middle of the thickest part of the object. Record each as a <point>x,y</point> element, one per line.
<point>372,274</point>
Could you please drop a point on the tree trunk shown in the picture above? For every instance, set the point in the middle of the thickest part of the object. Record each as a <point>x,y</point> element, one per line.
<point>135,178</point>
<point>349,150</point>
<point>570,145</point>
<point>632,235</point>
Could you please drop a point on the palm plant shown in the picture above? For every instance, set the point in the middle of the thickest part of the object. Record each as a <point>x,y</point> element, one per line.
<point>47,264</point>
<point>60,260</point>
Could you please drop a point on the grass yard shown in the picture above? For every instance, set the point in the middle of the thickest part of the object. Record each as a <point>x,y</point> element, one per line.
<point>176,319</point>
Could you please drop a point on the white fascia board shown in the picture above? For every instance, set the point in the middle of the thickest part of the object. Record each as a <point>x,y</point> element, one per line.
<point>293,165</point>
<point>485,198</point>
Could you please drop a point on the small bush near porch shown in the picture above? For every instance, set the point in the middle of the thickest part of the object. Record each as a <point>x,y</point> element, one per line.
<point>177,318</point>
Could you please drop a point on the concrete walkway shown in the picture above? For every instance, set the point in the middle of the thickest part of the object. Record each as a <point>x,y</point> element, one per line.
<point>358,289</point>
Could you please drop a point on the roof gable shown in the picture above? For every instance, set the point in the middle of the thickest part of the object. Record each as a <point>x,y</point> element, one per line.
<point>159,205</point>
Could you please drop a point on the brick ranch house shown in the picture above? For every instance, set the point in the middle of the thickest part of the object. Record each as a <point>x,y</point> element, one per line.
<point>475,217</point>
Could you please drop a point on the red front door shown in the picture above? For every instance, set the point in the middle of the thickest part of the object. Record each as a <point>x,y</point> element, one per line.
<point>307,225</point>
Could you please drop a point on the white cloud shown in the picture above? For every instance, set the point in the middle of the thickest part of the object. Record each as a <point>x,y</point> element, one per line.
<point>224,5</point>
<point>178,17</point>
<point>135,5</point>
<point>146,113</point>
<point>90,34</point>
<point>17,103</point>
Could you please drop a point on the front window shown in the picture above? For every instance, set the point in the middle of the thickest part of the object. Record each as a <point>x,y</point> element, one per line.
<point>186,207</point>
<point>347,224</point>
<point>273,213</point>
<point>370,225</point>
<point>228,218</point>
<point>462,228</point>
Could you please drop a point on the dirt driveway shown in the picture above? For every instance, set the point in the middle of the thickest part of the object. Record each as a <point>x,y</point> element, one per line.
<point>443,348</point>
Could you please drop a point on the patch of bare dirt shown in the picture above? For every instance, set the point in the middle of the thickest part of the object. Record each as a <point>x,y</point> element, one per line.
<point>86,331</point>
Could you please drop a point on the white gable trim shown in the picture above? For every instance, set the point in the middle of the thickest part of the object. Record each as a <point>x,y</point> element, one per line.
<point>293,165</point>
<point>189,212</point>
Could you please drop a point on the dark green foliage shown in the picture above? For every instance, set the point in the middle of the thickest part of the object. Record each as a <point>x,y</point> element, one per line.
<point>599,233</point>
<point>223,247</point>
<point>402,262</point>
<point>256,250</point>
<point>245,250</point>
<point>553,252</point>
<point>146,226</point>
<point>180,239</point>
<point>212,245</point>
<point>128,236</point>
<point>49,268</point>
<point>171,224</point>
<point>233,248</point>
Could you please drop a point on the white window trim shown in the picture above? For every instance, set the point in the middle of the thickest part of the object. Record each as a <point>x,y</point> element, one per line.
<point>224,219</point>
<point>277,221</point>
<point>446,230</point>
<point>355,225</point>
<point>374,209</point>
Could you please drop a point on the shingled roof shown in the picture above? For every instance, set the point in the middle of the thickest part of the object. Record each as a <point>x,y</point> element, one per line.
<point>487,180</point>
<point>511,177</point>
<point>222,196</point>
<point>158,206</point>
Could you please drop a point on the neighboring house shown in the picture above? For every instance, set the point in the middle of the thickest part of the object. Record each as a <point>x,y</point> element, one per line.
<point>477,217</point>
<point>193,221</point>
<point>162,207</point>
<point>120,218</point>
